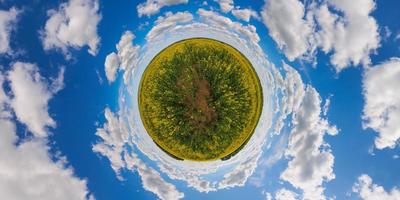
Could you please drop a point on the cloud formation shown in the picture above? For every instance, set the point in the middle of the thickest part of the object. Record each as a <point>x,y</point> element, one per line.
<point>213,18</point>
<point>287,26</point>
<point>152,7</point>
<point>125,59</point>
<point>27,170</point>
<point>111,66</point>
<point>114,138</point>
<point>367,190</point>
<point>167,22</point>
<point>152,180</point>
<point>245,14</point>
<point>352,37</point>
<point>225,5</point>
<point>382,106</point>
<point>285,194</point>
<point>347,30</point>
<point>310,158</point>
<point>8,19</point>
<point>31,95</point>
<point>73,24</point>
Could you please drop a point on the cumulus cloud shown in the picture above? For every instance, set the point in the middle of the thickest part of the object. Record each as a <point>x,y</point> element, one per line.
<point>151,7</point>
<point>287,26</point>
<point>226,23</point>
<point>352,37</point>
<point>245,14</point>
<point>293,88</point>
<point>111,66</point>
<point>367,190</point>
<point>125,59</point>
<point>171,25</point>
<point>284,194</point>
<point>225,5</point>
<point>267,195</point>
<point>27,171</point>
<point>240,174</point>
<point>152,180</point>
<point>127,53</point>
<point>311,160</point>
<point>8,20</point>
<point>114,137</point>
<point>73,24</point>
<point>265,163</point>
<point>31,95</point>
<point>382,102</point>
<point>170,20</point>
<point>346,29</point>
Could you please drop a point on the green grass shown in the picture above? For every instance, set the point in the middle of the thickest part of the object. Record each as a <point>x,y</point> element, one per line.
<point>200,99</point>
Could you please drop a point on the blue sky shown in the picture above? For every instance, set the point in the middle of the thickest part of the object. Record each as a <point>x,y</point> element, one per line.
<point>69,120</point>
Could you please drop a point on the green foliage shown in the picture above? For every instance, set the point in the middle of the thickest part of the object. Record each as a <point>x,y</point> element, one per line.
<point>200,99</point>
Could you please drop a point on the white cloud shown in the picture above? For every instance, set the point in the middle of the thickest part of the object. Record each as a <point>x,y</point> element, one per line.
<point>57,83</point>
<point>127,53</point>
<point>382,102</point>
<point>327,105</point>
<point>287,26</point>
<point>284,194</point>
<point>277,153</point>
<point>245,14</point>
<point>74,24</point>
<point>152,180</point>
<point>151,7</point>
<point>27,171</point>
<point>8,20</point>
<point>240,174</point>
<point>346,29</point>
<point>293,88</point>
<point>311,160</point>
<point>226,23</point>
<point>225,5</point>
<point>31,95</point>
<point>352,37</point>
<point>164,23</point>
<point>367,190</point>
<point>386,33</point>
<point>267,195</point>
<point>125,59</point>
<point>111,66</point>
<point>114,136</point>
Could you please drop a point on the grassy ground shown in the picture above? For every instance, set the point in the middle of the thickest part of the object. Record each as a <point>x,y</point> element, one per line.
<point>200,99</point>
